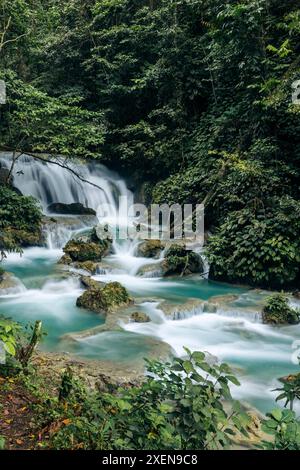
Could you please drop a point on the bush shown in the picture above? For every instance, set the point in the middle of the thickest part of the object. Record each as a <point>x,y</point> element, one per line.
<point>258,247</point>
<point>181,408</point>
<point>278,312</point>
<point>20,220</point>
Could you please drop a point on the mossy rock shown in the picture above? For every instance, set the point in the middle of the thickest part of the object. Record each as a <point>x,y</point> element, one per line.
<point>89,283</point>
<point>140,317</point>
<point>65,259</point>
<point>11,237</point>
<point>149,249</point>
<point>179,260</point>
<point>89,266</point>
<point>104,299</point>
<point>278,312</point>
<point>81,251</point>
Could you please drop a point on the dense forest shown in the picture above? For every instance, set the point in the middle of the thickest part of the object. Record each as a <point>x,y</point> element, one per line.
<point>192,101</point>
<point>191,98</point>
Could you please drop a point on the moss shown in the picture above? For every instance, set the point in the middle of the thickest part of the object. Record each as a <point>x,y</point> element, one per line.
<point>150,249</point>
<point>140,317</point>
<point>278,312</point>
<point>104,299</point>
<point>179,260</point>
<point>89,266</point>
<point>85,251</point>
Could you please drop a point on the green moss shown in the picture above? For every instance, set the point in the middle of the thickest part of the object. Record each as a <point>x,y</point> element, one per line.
<point>86,251</point>
<point>104,299</point>
<point>179,260</point>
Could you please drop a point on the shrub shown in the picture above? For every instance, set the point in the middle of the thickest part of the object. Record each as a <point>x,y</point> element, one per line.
<point>278,312</point>
<point>258,247</point>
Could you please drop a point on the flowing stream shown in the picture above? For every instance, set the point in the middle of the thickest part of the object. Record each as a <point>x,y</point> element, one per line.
<point>221,319</point>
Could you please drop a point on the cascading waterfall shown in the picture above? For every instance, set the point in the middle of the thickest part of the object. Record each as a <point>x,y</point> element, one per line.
<point>49,183</point>
<point>233,331</point>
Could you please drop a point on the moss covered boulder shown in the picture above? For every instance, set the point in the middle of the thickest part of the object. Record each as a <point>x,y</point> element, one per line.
<point>149,249</point>
<point>277,311</point>
<point>179,260</point>
<point>81,251</point>
<point>104,299</point>
<point>140,317</point>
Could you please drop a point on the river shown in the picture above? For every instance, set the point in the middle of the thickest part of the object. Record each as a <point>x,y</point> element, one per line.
<point>232,330</point>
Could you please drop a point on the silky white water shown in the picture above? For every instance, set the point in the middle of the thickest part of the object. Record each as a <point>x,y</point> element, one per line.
<point>233,332</point>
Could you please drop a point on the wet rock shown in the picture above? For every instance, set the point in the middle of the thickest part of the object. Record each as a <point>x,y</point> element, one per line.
<point>149,249</point>
<point>151,270</point>
<point>179,260</point>
<point>81,251</point>
<point>71,209</point>
<point>89,283</point>
<point>140,317</point>
<point>9,284</point>
<point>104,299</point>
<point>65,259</point>
<point>11,237</point>
<point>88,266</point>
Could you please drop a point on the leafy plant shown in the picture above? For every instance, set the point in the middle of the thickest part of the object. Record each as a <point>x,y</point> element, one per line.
<point>277,311</point>
<point>284,427</point>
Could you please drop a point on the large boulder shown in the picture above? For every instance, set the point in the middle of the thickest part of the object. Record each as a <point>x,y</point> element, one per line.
<point>179,260</point>
<point>75,208</point>
<point>104,299</point>
<point>149,249</point>
<point>81,251</point>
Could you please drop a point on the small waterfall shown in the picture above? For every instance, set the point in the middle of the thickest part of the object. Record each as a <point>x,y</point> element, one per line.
<point>57,236</point>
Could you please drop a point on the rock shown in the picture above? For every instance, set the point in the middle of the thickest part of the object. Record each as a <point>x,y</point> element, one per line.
<point>179,260</point>
<point>149,249</point>
<point>88,266</point>
<point>140,317</point>
<point>75,208</point>
<point>81,251</point>
<point>65,259</point>
<point>90,283</point>
<point>277,311</point>
<point>11,237</point>
<point>104,299</point>
<point>151,270</point>
<point>9,284</point>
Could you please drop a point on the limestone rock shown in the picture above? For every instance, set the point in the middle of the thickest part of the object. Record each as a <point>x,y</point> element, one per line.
<point>140,317</point>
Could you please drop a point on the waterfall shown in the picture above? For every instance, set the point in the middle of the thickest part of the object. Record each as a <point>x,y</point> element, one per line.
<point>50,183</point>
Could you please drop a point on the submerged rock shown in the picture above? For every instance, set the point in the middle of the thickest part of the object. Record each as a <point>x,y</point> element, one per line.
<point>75,208</point>
<point>140,317</point>
<point>104,299</point>
<point>151,270</point>
<point>149,249</point>
<point>179,260</point>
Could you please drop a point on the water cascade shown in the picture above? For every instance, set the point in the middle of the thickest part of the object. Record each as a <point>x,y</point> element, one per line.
<point>231,331</point>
